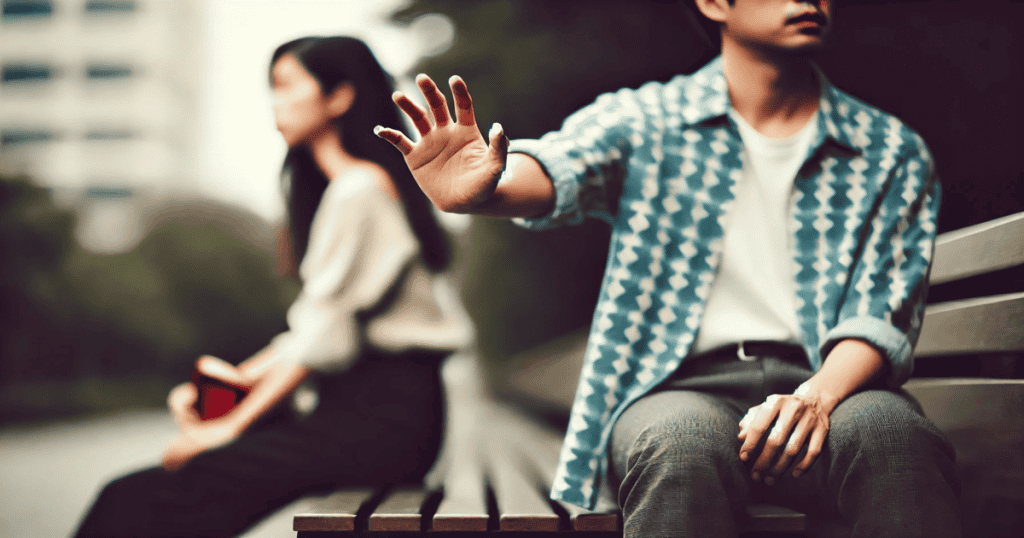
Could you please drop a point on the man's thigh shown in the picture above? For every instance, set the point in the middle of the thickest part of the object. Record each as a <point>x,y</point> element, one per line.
<point>881,451</point>
<point>674,455</point>
<point>677,416</point>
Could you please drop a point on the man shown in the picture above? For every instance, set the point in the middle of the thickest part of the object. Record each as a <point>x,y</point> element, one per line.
<point>764,286</point>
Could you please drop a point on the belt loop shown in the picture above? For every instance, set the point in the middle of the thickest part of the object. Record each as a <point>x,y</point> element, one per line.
<point>742,353</point>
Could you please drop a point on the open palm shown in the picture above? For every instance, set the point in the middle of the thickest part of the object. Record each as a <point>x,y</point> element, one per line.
<point>453,164</point>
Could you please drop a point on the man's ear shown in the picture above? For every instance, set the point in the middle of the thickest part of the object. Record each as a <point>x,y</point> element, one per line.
<point>341,99</point>
<point>716,10</point>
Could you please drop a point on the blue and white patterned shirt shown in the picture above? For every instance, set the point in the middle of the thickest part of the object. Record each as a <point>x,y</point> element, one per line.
<point>660,164</point>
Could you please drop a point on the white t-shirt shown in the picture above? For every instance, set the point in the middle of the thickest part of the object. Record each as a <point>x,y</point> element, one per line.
<point>753,295</point>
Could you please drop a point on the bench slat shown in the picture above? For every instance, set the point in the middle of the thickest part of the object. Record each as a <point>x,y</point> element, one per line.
<point>995,405</point>
<point>979,249</point>
<point>973,326</point>
<point>521,506</point>
<point>772,518</point>
<point>540,448</point>
<point>400,511</point>
<point>464,506</point>
<point>336,512</point>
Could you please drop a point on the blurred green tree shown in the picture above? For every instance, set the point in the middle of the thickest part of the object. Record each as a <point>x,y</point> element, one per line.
<point>81,332</point>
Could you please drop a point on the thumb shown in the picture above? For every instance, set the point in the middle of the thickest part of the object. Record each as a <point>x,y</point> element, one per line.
<point>498,143</point>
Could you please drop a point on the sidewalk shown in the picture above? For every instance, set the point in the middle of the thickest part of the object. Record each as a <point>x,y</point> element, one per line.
<point>49,474</point>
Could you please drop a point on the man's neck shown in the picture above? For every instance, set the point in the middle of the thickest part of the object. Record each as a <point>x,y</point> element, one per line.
<point>777,94</point>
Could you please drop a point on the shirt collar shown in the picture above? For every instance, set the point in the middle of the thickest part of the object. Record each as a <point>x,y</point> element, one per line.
<point>707,98</point>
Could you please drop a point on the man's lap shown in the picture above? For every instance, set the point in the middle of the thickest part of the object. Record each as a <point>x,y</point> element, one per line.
<point>689,425</point>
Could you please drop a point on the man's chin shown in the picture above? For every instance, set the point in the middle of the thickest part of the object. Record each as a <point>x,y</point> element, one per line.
<point>808,47</point>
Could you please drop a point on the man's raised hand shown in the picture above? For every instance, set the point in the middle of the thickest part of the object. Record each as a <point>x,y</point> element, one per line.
<point>456,168</point>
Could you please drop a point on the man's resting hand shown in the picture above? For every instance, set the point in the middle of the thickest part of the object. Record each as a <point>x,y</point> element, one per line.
<point>799,419</point>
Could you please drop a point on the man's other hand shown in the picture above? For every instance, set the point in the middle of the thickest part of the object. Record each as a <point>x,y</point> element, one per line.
<point>799,419</point>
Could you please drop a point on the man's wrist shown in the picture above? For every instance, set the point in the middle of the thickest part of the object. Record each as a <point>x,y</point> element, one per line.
<point>826,399</point>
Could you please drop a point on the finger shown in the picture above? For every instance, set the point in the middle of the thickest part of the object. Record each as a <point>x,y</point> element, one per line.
<point>795,443</point>
<point>435,99</point>
<point>813,449</point>
<point>183,399</point>
<point>498,143</point>
<point>766,413</point>
<point>745,422</point>
<point>397,139</point>
<point>463,102</point>
<point>788,417</point>
<point>751,413</point>
<point>416,114</point>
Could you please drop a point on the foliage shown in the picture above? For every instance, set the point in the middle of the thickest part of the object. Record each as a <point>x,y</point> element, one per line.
<point>83,331</point>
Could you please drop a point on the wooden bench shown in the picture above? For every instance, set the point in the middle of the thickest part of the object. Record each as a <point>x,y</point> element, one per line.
<point>498,462</point>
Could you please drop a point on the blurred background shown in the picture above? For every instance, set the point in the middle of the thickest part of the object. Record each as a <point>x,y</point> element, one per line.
<point>139,191</point>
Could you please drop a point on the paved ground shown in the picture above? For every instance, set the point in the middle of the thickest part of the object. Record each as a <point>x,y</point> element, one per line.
<point>49,474</point>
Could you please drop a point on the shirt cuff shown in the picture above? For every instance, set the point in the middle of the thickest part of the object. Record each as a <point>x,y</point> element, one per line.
<point>563,178</point>
<point>892,343</point>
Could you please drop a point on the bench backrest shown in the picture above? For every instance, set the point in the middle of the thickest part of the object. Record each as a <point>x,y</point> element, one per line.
<point>980,324</point>
<point>983,418</point>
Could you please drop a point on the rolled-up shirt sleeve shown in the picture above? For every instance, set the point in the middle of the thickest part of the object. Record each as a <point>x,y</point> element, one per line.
<point>359,247</point>
<point>885,299</point>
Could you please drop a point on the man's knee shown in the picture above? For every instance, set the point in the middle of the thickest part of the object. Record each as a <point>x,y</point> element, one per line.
<point>883,435</point>
<point>885,422</point>
<point>666,445</point>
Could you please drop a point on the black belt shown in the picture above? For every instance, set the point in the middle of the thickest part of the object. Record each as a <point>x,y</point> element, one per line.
<point>752,349</point>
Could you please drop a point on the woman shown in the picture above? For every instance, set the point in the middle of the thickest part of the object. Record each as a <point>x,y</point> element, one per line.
<point>369,329</point>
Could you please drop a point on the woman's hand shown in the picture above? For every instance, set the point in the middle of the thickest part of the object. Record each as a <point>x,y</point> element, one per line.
<point>181,401</point>
<point>196,434</point>
<point>198,438</point>
<point>800,419</point>
<point>456,168</point>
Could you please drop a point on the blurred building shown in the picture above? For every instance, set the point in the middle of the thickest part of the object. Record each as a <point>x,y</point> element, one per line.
<point>99,100</point>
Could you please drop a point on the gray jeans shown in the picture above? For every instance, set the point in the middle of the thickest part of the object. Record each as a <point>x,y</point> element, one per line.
<point>885,469</point>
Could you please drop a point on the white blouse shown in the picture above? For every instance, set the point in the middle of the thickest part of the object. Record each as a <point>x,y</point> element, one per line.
<point>363,281</point>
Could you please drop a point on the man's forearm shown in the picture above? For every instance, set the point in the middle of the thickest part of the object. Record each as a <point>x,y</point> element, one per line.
<point>848,367</point>
<point>524,191</point>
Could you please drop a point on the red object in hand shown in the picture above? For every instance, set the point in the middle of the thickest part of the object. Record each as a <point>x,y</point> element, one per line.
<point>216,395</point>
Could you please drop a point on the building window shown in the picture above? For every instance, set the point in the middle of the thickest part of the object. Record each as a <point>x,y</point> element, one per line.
<point>23,9</point>
<point>17,136</point>
<point>26,72</point>
<point>111,7</point>
<point>108,192</point>
<point>108,71</point>
<point>109,134</point>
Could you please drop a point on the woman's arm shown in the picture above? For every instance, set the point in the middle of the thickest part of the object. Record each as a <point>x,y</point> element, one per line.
<point>271,382</point>
<point>253,367</point>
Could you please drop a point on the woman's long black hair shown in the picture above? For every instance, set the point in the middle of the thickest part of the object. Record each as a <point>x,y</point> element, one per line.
<point>331,61</point>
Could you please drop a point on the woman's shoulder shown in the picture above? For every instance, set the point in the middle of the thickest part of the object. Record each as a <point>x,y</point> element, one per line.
<point>366,187</point>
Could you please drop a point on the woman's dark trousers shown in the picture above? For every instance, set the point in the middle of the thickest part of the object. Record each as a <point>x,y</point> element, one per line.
<point>379,423</point>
